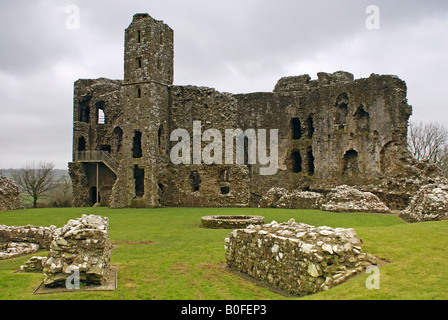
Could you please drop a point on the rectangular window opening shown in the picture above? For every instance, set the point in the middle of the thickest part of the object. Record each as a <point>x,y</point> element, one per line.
<point>138,62</point>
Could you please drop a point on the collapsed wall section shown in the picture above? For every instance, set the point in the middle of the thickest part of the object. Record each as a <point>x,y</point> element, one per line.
<point>82,244</point>
<point>295,257</point>
<point>16,241</point>
<point>30,234</point>
<point>9,195</point>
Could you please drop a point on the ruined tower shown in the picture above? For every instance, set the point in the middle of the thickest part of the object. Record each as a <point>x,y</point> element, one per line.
<point>120,126</point>
<point>332,130</point>
<point>148,73</point>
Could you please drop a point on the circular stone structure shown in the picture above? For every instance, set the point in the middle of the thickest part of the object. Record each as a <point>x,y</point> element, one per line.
<point>230,222</point>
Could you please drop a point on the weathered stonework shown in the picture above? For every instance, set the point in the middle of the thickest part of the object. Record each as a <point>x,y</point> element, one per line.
<point>348,199</point>
<point>34,264</point>
<point>82,244</point>
<point>295,199</point>
<point>41,236</point>
<point>429,204</point>
<point>230,222</point>
<point>10,250</point>
<point>295,257</point>
<point>17,241</point>
<point>342,198</point>
<point>333,130</point>
<point>9,195</point>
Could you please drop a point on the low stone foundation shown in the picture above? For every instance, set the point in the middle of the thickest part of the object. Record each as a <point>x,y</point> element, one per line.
<point>349,199</point>
<point>297,258</point>
<point>35,264</point>
<point>339,199</point>
<point>230,222</point>
<point>30,234</point>
<point>282,198</point>
<point>16,249</point>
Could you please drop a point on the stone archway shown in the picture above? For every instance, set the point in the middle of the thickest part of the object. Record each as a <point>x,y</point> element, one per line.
<point>351,162</point>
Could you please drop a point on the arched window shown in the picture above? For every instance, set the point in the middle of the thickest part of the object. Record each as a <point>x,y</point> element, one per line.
<point>83,111</point>
<point>101,116</point>
<point>362,118</point>
<point>118,137</point>
<point>351,162</point>
<point>341,111</point>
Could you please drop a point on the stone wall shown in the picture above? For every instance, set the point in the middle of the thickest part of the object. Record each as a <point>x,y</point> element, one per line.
<point>9,195</point>
<point>29,234</point>
<point>81,244</point>
<point>295,199</point>
<point>295,257</point>
<point>10,250</point>
<point>348,199</point>
<point>339,199</point>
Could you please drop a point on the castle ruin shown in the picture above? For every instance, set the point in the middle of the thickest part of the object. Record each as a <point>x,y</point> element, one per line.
<point>331,131</point>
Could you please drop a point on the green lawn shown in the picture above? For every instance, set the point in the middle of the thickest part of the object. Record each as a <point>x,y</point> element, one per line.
<point>163,254</point>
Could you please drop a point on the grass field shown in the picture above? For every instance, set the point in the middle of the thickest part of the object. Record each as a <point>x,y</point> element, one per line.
<point>163,254</point>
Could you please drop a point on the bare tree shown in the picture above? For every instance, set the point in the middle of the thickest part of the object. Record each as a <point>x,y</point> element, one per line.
<point>62,195</point>
<point>36,180</point>
<point>428,141</point>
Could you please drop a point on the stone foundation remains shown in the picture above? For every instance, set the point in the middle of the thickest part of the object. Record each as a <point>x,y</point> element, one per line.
<point>340,199</point>
<point>230,222</point>
<point>16,249</point>
<point>9,195</point>
<point>429,204</point>
<point>297,258</point>
<point>295,199</point>
<point>35,264</point>
<point>81,244</point>
<point>41,236</point>
<point>348,199</point>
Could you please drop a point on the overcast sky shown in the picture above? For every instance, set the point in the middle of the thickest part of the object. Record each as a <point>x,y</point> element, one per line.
<point>233,46</point>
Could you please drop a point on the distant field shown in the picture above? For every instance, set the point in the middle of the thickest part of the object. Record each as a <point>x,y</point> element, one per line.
<point>163,254</point>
